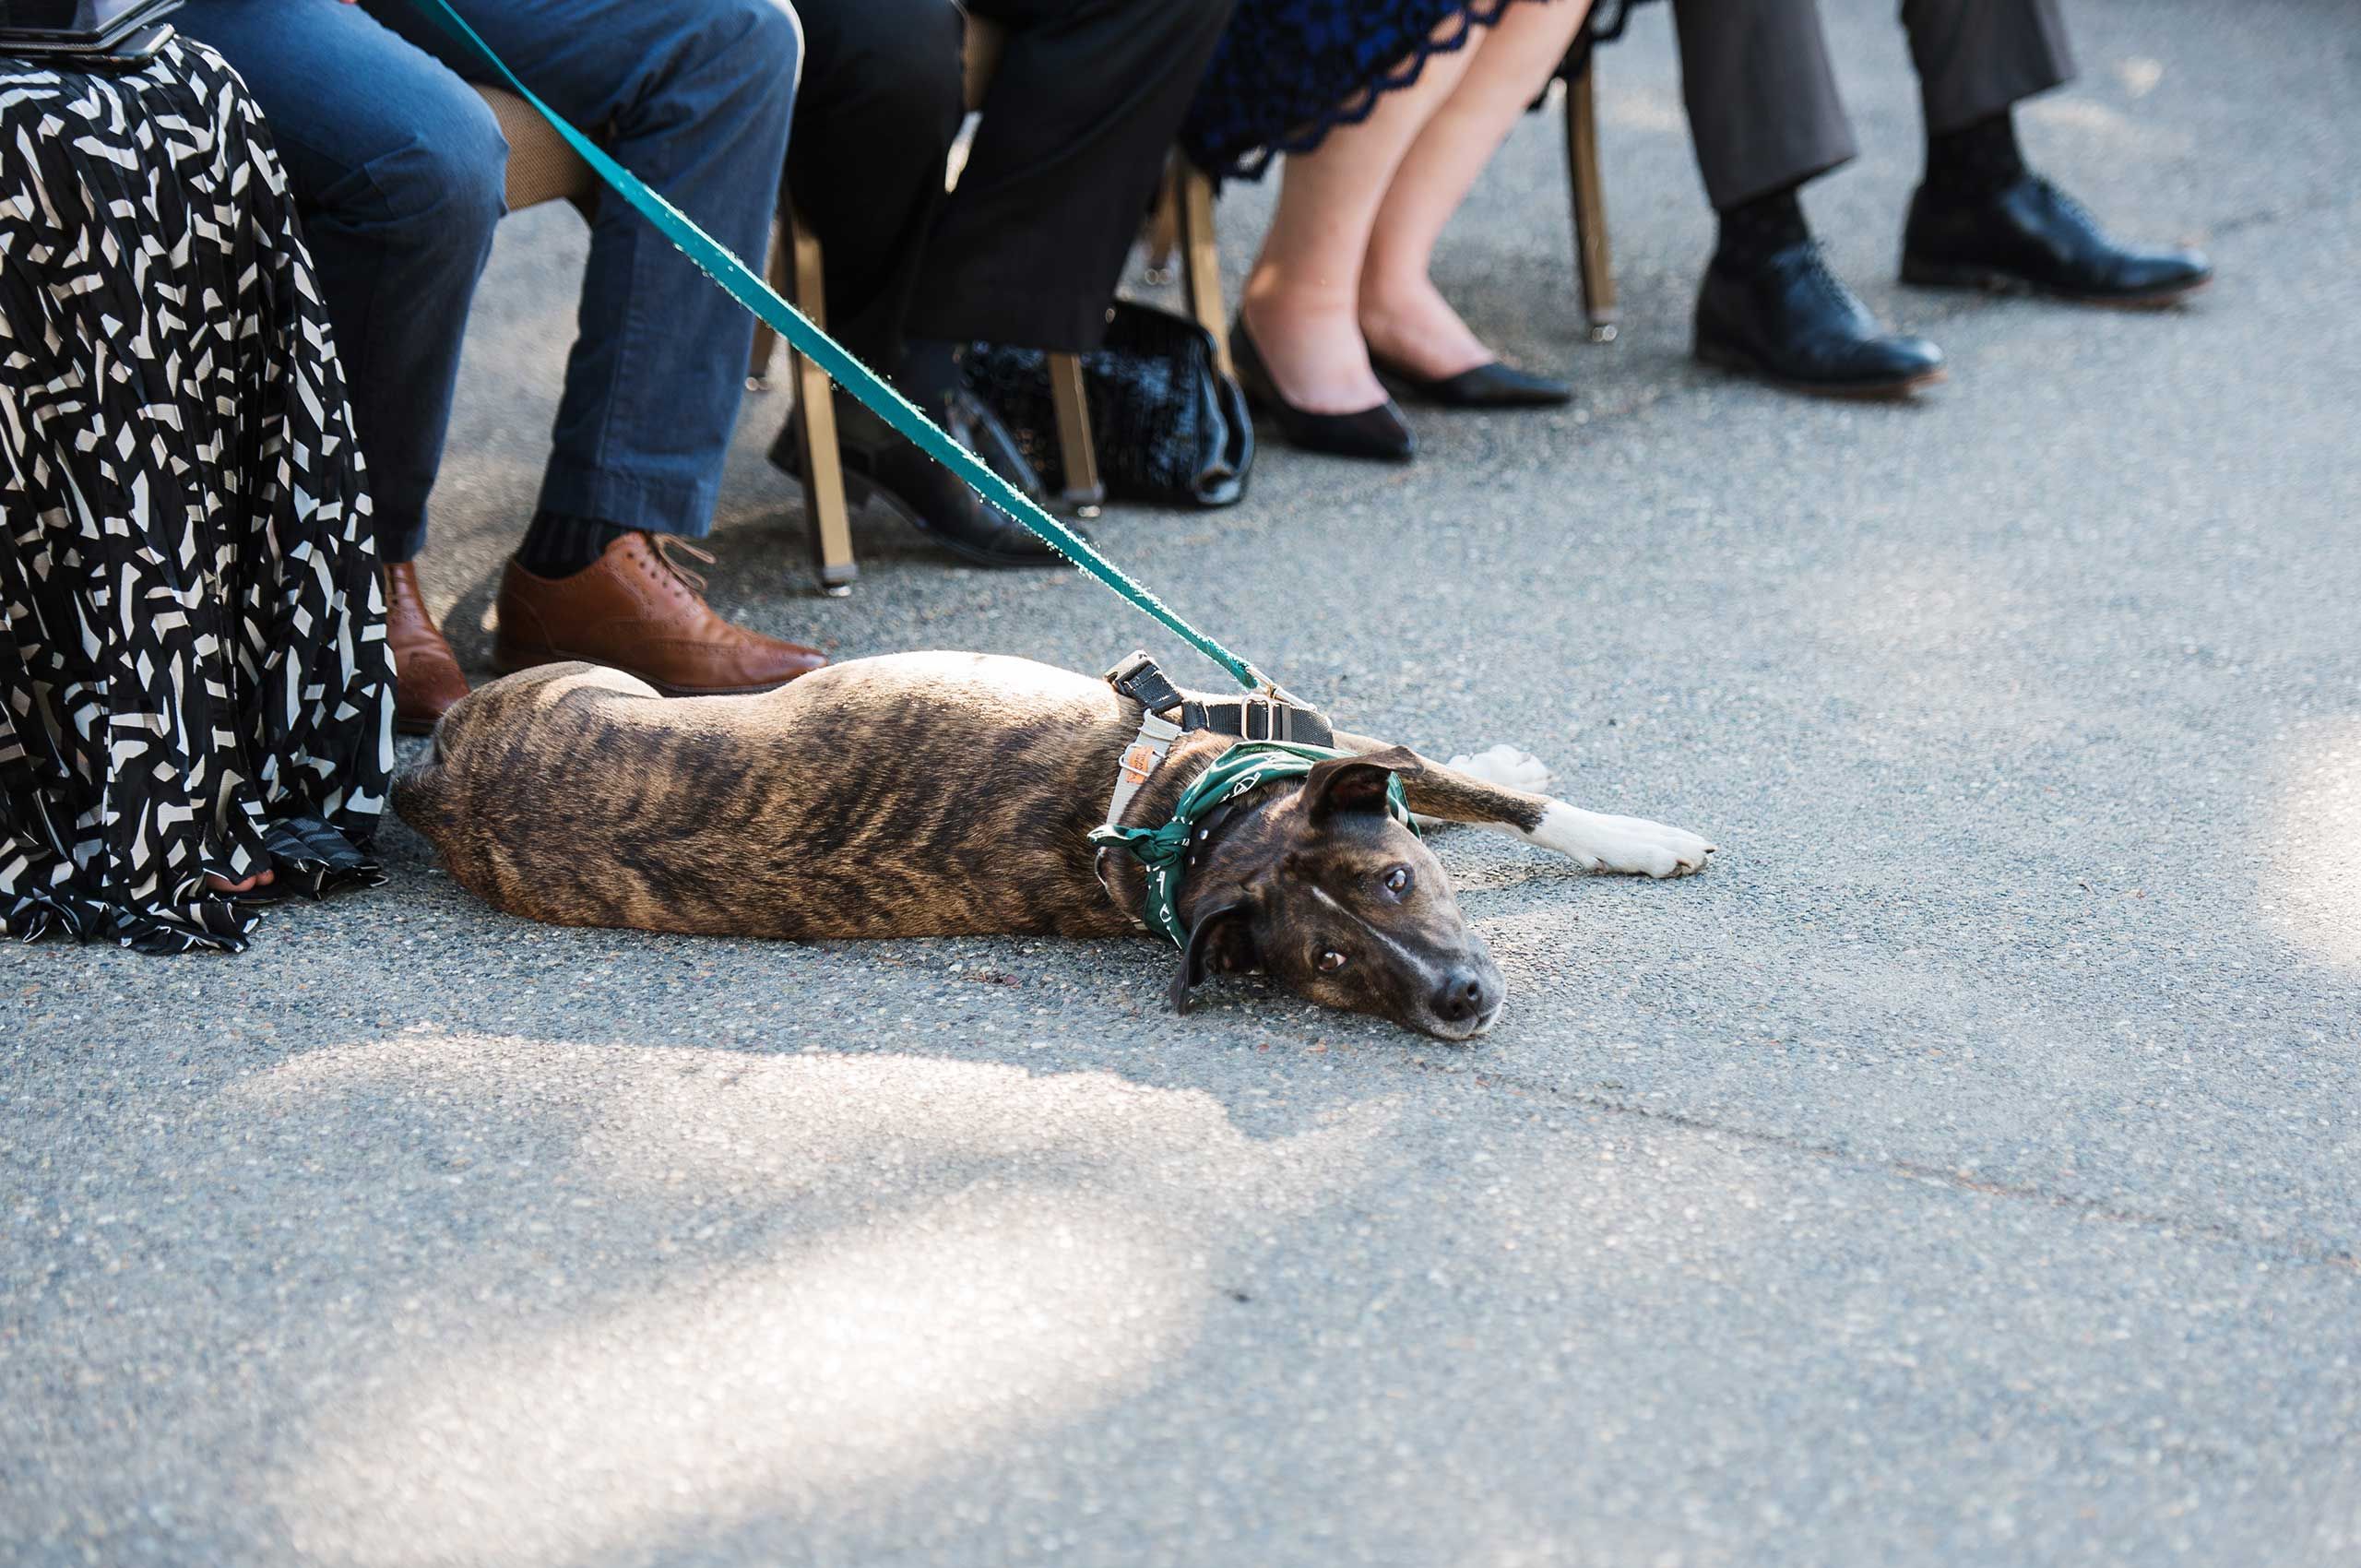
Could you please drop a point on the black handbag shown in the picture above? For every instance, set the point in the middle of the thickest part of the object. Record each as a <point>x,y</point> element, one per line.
<point>1168,427</point>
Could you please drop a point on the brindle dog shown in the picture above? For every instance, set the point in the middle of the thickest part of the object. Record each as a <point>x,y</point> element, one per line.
<point>953,794</point>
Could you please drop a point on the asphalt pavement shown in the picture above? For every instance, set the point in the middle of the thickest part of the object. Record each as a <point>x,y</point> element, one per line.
<point>1963,1171</point>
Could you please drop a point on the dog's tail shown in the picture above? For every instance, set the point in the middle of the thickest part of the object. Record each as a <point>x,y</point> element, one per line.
<point>419,800</point>
<point>422,795</point>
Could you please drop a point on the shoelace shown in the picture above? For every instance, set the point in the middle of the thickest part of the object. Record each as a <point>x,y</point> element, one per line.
<point>1817,270</point>
<point>666,543</point>
<point>2071,207</point>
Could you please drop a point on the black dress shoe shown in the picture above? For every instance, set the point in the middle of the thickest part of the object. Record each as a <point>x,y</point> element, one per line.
<point>880,465</point>
<point>1790,322</point>
<point>1381,432</point>
<point>2032,236</point>
<point>1489,385</point>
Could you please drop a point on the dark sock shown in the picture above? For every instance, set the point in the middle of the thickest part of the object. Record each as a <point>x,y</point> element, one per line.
<point>1758,228</point>
<point>1976,159</point>
<point>558,545</point>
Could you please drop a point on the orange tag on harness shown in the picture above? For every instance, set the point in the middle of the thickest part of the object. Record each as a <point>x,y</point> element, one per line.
<point>1139,761</point>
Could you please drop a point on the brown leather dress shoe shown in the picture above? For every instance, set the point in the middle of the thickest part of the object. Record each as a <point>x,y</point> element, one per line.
<point>427,675</point>
<point>636,609</point>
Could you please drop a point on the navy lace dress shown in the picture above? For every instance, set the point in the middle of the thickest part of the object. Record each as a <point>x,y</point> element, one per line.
<point>1287,72</point>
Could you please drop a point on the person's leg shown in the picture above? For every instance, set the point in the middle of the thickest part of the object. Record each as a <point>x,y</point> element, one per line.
<point>1085,102</point>
<point>1300,305</point>
<point>1764,114</point>
<point>874,122</point>
<point>1085,99</point>
<point>873,131</point>
<point>1978,58</point>
<point>399,188</point>
<point>1765,117</point>
<point>1403,318</point>
<point>1976,62</point>
<point>694,96</point>
<point>1980,218</point>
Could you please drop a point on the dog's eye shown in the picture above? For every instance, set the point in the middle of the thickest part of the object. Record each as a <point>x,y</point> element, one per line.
<point>1331,962</point>
<point>1397,882</point>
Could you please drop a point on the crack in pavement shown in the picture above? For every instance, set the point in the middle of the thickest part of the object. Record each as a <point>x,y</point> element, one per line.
<point>1920,1172</point>
<point>2322,201</point>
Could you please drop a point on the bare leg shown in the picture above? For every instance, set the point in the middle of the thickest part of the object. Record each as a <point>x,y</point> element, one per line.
<point>223,885</point>
<point>1301,300</point>
<point>1488,791</point>
<point>1400,315</point>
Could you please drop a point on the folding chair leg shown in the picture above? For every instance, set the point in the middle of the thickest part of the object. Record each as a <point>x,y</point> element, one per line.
<point>825,510</point>
<point>1076,452</point>
<point>1592,260</point>
<point>758,365</point>
<point>1164,233</point>
<point>1193,204</point>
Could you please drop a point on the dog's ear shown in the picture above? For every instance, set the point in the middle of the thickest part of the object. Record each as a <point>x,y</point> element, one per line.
<point>1354,783</point>
<point>1223,939</point>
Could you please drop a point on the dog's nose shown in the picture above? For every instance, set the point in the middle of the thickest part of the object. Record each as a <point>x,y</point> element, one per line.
<point>1464,996</point>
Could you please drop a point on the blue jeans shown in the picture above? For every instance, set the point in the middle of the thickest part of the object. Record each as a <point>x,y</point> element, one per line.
<point>398,170</point>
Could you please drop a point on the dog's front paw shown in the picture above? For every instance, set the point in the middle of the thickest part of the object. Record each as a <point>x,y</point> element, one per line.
<point>1628,846</point>
<point>1504,766</point>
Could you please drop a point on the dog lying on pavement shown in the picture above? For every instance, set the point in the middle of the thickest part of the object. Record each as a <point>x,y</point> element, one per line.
<point>954,794</point>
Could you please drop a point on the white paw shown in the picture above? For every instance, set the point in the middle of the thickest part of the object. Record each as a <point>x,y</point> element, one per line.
<point>1628,846</point>
<point>1504,766</point>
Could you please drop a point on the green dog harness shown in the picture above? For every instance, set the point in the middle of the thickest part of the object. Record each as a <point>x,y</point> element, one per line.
<point>1167,851</point>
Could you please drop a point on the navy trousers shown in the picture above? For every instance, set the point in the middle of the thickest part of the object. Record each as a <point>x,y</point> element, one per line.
<point>398,169</point>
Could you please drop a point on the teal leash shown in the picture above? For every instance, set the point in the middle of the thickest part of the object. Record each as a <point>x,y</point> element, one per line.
<point>744,285</point>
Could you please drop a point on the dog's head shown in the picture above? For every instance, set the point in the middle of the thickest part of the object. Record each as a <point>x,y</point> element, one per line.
<point>1332,896</point>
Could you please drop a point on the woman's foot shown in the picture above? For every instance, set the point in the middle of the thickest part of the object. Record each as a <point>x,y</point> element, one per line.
<point>260,879</point>
<point>1414,343</point>
<point>1312,352</point>
<point>1490,386</point>
<point>1378,432</point>
<point>1407,324</point>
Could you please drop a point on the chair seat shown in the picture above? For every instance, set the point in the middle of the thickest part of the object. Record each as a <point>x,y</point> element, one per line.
<point>541,167</point>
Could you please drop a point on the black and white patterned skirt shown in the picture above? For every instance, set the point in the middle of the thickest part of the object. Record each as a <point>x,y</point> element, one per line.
<point>194,675</point>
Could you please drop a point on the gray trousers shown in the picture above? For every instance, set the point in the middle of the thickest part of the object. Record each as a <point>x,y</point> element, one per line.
<point>1763,109</point>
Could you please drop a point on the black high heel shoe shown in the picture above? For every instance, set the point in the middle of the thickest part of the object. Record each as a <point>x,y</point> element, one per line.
<point>1380,432</point>
<point>1493,385</point>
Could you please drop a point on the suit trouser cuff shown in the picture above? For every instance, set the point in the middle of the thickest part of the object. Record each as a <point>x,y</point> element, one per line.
<point>1764,105</point>
<point>1978,58</point>
<point>1774,164</point>
<point>1764,113</point>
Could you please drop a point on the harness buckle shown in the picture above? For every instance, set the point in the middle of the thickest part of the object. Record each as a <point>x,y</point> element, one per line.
<point>1137,677</point>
